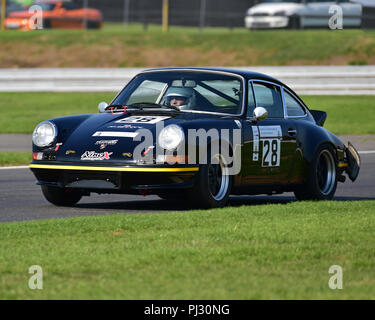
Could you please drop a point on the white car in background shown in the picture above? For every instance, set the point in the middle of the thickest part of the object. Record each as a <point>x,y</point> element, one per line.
<point>295,14</point>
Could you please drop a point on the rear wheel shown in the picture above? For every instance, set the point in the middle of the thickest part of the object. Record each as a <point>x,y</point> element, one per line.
<point>93,24</point>
<point>61,196</point>
<point>322,181</point>
<point>213,185</point>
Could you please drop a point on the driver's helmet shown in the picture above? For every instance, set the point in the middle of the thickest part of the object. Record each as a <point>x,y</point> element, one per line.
<point>182,98</point>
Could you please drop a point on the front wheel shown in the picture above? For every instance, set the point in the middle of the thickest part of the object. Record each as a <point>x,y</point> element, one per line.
<point>213,184</point>
<point>61,196</point>
<point>322,181</point>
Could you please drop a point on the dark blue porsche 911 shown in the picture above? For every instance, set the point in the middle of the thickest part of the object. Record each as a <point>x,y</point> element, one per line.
<point>201,134</point>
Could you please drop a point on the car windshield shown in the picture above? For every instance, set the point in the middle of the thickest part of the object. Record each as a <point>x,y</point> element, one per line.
<point>47,6</point>
<point>191,91</point>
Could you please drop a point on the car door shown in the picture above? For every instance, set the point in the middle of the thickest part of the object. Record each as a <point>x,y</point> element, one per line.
<point>296,115</point>
<point>269,144</point>
<point>352,13</point>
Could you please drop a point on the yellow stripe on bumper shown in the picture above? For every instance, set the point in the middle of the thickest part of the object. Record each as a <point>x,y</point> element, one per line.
<point>126,169</point>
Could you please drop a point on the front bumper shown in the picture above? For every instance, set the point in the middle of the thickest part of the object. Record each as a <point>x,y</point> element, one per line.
<point>266,22</point>
<point>354,162</point>
<point>17,24</point>
<point>114,179</point>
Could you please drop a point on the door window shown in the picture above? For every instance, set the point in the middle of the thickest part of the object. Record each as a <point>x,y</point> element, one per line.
<point>250,101</point>
<point>293,107</point>
<point>268,96</point>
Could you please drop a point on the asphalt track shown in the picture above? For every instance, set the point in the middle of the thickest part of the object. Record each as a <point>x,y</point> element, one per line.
<point>22,200</point>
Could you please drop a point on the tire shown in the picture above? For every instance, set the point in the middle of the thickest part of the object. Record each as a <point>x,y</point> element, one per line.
<point>46,24</point>
<point>61,196</point>
<point>322,181</point>
<point>93,25</point>
<point>212,187</point>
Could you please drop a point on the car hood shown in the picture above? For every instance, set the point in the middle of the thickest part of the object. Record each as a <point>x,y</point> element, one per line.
<point>119,134</point>
<point>272,8</point>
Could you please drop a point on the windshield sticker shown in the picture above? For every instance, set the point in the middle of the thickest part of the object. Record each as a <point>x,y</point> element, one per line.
<point>255,143</point>
<point>92,155</point>
<point>142,119</point>
<point>115,134</point>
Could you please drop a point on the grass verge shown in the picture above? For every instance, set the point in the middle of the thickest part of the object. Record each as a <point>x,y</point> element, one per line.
<point>15,158</point>
<point>117,46</point>
<point>21,112</point>
<point>279,251</point>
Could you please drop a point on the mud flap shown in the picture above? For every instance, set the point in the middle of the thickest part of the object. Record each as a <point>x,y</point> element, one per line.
<point>354,162</point>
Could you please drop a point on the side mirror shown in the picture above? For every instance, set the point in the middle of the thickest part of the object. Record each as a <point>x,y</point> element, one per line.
<point>102,106</point>
<point>260,113</point>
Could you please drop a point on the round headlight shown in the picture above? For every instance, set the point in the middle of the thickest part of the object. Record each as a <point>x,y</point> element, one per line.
<point>44,134</point>
<point>170,137</point>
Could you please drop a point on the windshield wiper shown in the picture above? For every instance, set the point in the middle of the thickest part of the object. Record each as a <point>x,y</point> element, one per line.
<point>138,105</point>
<point>145,104</point>
<point>153,105</point>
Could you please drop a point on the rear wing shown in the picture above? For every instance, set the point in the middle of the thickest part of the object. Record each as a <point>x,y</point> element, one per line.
<point>319,117</point>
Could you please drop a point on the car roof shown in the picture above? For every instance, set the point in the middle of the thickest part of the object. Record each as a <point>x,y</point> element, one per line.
<point>247,74</point>
<point>242,72</point>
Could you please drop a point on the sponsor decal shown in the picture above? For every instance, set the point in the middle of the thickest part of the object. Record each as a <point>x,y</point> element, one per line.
<point>255,143</point>
<point>104,143</point>
<point>119,134</point>
<point>270,131</point>
<point>147,150</point>
<point>68,152</point>
<point>92,155</point>
<point>125,126</point>
<point>127,155</point>
<point>142,119</point>
<point>58,146</point>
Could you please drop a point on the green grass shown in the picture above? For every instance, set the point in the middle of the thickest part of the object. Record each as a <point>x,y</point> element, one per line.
<point>279,251</point>
<point>14,158</point>
<point>21,112</point>
<point>346,114</point>
<point>117,46</point>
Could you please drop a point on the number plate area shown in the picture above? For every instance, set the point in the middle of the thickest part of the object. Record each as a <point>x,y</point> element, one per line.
<point>271,152</point>
<point>270,137</point>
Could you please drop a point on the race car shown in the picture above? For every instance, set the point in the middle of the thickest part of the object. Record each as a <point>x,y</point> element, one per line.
<point>200,134</point>
<point>56,15</point>
<point>299,14</point>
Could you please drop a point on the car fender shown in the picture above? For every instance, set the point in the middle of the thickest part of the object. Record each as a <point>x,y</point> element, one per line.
<point>310,136</point>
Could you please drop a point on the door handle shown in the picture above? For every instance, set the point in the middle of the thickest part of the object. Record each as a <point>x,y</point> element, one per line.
<point>292,132</point>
